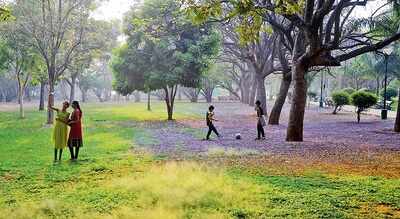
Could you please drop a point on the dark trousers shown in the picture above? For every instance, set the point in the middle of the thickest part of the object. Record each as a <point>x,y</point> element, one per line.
<point>260,130</point>
<point>211,128</point>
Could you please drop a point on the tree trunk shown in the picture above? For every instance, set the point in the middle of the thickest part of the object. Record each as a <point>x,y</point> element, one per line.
<point>21,102</point>
<point>148,101</point>
<point>41,101</point>
<point>50,100</point>
<point>358,115</point>
<point>397,123</point>
<point>296,117</point>
<point>84,95</point>
<point>208,93</point>
<point>170,93</point>
<point>261,93</point>
<point>72,91</point>
<point>275,115</point>
<point>253,92</point>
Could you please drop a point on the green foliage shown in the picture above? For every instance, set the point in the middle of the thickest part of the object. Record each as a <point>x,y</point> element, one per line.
<point>363,99</point>
<point>340,98</point>
<point>391,92</point>
<point>349,90</point>
<point>162,52</point>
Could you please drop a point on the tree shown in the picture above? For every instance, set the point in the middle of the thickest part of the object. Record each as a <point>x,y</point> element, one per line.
<point>363,100</point>
<point>340,98</point>
<point>57,28</point>
<point>94,52</point>
<point>164,50</point>
<point>20,59</point>
<point>325,35</point>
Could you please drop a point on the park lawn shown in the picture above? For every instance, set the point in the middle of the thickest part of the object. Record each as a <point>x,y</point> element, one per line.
<point>112,180</point>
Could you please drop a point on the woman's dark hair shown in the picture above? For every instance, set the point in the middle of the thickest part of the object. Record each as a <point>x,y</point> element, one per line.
<point>258,102</point>
<point>211,107</point>
<point>76,103</point>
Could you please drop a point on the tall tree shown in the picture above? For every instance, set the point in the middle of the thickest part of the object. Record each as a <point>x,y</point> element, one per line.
<point>20,59</point>
<point>325,35</point>
<point>57,28</point>
<point>164,50</point>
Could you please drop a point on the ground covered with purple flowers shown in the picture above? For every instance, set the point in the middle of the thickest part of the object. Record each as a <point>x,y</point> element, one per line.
<point>331,142</point>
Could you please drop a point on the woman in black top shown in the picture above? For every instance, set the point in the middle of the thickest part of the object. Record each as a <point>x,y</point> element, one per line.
<point>260,121</point>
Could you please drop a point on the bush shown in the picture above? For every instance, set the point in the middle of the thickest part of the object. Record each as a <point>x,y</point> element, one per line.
<point>390,93</point>
<point>363,100</point>
<point>349,90</point>
<point>340,98</point>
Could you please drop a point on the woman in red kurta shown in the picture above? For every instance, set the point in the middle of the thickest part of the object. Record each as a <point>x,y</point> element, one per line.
<point>75,139</point>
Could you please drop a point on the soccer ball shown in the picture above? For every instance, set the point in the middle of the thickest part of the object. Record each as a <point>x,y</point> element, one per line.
<point>238,136</point>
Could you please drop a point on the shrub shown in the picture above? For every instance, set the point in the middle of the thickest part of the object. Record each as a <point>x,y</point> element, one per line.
<point>340,98</point>
<point>349,90</point>
<point>363,100</point>
<point>390,92</point>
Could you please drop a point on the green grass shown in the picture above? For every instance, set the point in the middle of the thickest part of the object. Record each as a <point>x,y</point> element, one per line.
<point>110,181</point>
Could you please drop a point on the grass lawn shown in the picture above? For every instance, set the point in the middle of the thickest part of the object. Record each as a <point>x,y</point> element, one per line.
<point>112,180</point>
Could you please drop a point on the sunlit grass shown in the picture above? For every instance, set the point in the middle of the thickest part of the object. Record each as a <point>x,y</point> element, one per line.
<point>110,181</point>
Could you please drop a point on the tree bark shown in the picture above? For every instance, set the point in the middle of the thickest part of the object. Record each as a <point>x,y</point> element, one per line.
<point>41,101</point>
<point>21,102</point>
<point>297,109</point>
<point>72,91</point>
<point>261,93</point>
<point>170,93</point>
<point>275,115</point>
<point>50,100</point>
<point>253,92</point>
<point>397,122</point>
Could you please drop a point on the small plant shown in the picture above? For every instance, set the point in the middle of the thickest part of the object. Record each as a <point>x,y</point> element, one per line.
<point>363,100</point>
<point>340,98</point>
<point>349,90</point>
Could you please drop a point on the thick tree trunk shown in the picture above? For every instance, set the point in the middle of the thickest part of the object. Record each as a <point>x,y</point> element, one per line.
<point>261,93</point>
<point>253,92</point>
<point>359,115</point>
<point>297,109</point>
<point>397,122</point>
<point>50,100</point>
<point>72,91</point>
<point>275,115</point>
<point>41,101</point>
<point>245,93</point>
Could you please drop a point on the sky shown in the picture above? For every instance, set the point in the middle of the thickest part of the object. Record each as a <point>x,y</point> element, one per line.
<point>112,9</point>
